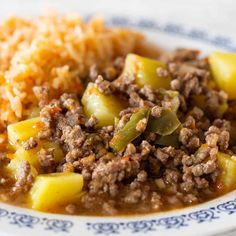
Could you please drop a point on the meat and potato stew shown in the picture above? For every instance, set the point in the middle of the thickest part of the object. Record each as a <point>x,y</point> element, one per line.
<point>113,133</point>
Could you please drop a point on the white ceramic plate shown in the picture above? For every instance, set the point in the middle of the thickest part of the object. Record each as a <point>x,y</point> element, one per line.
<point>206,25</point>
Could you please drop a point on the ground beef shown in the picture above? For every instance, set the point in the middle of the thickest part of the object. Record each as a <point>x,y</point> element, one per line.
<point>24,179</point>
<point>188,79</point>
<point>188,137</point>
<point>106,176</point>
<point>47,160</point>
<point>216,136</point>
<point>156,111</point>
<point>42,94</point>
<point>204,168</point>
<point>73,137</point>
<point>71,208</point>
<point>141,125</point>
<point>92,121</point>
<point>162,156</point>
<point>145,148</point>
<point>30,143</point>
<point>161,72</point>
<point>103,86</point>
<point>148,93</point>
<point>109,71</point>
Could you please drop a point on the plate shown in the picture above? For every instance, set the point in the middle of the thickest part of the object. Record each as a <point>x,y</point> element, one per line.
<point>204,25</point>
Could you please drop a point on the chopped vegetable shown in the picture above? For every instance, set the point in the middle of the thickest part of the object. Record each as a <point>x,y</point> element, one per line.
<point>164,125</point>
<point>23,130</point>
<point>14,167</point>
<point>223,67</point>
<point>168,140</point>
<point>104,107</point>
<point>29,155</point>
<point>53,190</point>
<point>228,167</point>
<point>32,155</point>
<point>129,132</point>
<point>200,101</point>
<point>144,71</point>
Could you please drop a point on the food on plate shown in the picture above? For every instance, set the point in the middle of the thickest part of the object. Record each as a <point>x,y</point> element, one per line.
<point>51,190</point>
<point>95,121</point>
<point>144,71</point>
<point>104,107</point>
<point>224,71</point>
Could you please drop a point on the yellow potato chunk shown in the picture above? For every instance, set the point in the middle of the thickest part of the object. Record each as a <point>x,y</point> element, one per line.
<point>14,167</point>
<point>32,155</point>
<point>29,155</point>
<point>23,130</point>
<point>144,71</point>
<point>104,107</point>
<point>228,167</point>
<point>54,190</point>
<point>223,67</point>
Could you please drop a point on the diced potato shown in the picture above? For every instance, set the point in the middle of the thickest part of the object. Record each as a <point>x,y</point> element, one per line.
<point>104,107</point>
<point>58,153</point>
<point>223,66</point>
<point>29,155</point>
<point>228,174</point>
<point>54,190</point>
<point>144,71</point>
<point>32,155</point>
<point>200,101</point>
<point>23,130</point>
<point>14,167</point>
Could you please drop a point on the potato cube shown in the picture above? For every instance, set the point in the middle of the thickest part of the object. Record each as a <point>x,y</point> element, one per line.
<point>54,190</point>
<point>14,167</point>
<point>104,107</point>
<point>29,155</point>
<point>228,168</point>
<point>23,130</point>
<point>144,71</point>
<point>223,67</point>
<point>32,155</point>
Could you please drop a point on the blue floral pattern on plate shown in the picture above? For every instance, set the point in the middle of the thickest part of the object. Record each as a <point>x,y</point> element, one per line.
<point>110,228</point>
<point>113,228</point>
<point>173,28</point>
<point>29,221</point>
<point>172,222</point>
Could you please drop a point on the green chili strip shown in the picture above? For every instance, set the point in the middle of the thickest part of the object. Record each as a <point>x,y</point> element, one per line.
<point>168,140</point>
<point>129,132</point>
<point>164,125</point>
